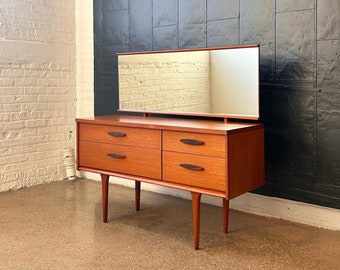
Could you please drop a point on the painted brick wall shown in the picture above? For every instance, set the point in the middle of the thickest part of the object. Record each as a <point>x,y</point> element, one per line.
<point>37,90</point>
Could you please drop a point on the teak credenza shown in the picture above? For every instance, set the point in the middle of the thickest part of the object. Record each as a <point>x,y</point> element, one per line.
<point>223,159</point>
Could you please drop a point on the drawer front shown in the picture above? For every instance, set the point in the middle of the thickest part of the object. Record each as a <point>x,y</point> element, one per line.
<point>121,159</point>
<point>195,143</point>
<point>139,137</point>
<point>194,170</point>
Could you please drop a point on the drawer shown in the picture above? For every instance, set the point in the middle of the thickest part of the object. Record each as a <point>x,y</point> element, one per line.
<point>195,143</point>
<point>124,159</point>
<point>139,137</point>
<point>180,168</point>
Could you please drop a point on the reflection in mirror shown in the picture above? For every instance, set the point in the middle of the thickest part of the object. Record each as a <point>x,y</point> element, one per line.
<point>219,82</point>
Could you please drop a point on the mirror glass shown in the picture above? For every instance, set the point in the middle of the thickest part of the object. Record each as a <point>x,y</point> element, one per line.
<point>220,82</point>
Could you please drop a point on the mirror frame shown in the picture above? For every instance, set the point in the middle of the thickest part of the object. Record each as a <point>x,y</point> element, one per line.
<point>179,113</point>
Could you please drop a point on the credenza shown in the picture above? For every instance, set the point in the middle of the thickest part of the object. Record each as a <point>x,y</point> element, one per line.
<point>202,156</point>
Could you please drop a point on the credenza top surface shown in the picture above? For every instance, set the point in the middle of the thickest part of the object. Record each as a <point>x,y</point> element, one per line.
<point>170,123</point>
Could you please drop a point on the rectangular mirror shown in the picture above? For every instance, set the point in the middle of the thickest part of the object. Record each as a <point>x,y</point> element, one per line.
<point>218,82</point>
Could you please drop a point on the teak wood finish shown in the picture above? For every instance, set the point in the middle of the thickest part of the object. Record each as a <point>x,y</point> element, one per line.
<point>200,156</point>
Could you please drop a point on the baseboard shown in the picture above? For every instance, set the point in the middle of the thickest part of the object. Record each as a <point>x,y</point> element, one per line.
<point>309,214</point>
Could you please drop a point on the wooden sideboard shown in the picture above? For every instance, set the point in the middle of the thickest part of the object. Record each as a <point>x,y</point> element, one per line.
<point>223,159</point>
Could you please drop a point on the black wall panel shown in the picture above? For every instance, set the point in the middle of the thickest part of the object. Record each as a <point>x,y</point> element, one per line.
<point>300,71</point>
<point>140,14</point>
<point>192,24</point>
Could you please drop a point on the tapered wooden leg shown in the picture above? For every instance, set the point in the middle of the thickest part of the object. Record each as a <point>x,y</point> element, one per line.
<point>105,192</point>
<point>196,214</point>
<point>225,215</point>
<point>137,195</point>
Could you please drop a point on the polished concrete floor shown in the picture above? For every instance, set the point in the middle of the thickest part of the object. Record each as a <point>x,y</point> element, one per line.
<point>58,226</point>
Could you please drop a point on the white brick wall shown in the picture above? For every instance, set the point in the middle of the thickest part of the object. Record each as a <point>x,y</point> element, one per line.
<point>37,90</point>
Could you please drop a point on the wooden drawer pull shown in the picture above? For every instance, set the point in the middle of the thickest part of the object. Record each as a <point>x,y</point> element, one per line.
<point>191,141</point>
<point>191,167</point>
<point>116,134</point>
<point>114,155</point>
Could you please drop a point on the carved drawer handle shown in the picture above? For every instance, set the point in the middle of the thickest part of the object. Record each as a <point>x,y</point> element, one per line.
<point>116,134</point>
<point>191,167</point>
<point>114,155</point>
<point>191,141</point>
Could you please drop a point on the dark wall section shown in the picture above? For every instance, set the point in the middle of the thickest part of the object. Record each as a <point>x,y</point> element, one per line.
<point>299,91</point>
